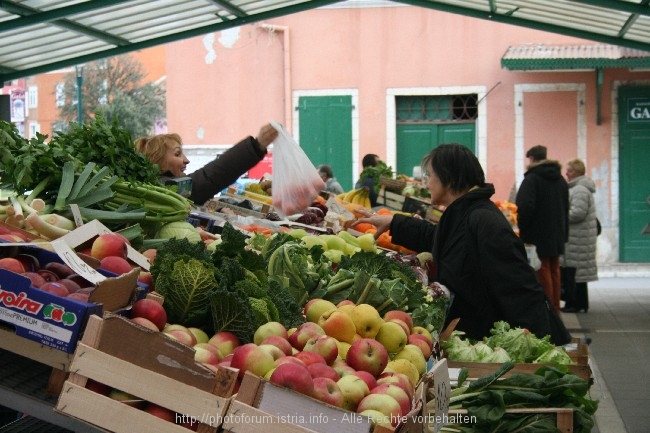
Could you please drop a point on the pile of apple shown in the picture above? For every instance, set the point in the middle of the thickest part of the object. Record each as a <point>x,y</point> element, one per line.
<point>347,356</point>
<point>59,279</point>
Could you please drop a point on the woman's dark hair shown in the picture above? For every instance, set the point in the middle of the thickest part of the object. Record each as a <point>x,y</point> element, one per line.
<point>326,170</point>
<point>370,160</point>
<point>456,166</point>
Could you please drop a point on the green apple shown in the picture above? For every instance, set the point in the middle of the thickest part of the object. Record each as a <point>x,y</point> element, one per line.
<point>413,354</point>
<point>354,389</point>
<point>392,336</point>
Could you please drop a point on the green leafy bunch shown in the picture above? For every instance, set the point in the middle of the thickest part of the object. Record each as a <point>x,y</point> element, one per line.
<point>487,399</point>
<point>26,165</point>
<point>375,172</point>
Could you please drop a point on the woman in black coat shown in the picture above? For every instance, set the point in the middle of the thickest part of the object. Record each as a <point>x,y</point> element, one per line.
<point>478,256</point>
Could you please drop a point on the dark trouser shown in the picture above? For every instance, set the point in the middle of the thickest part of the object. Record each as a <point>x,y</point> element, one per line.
<point>549,277</point>
<point>568,276</point>
<point>575,294</point>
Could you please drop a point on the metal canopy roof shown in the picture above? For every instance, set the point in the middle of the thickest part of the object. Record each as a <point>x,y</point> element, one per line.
<point>540,57</point>
<point>38,36</point>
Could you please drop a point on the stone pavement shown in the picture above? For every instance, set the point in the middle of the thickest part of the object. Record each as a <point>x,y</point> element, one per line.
<point>618,323</point>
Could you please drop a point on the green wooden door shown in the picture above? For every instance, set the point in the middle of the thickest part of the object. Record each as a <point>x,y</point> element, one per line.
<point>634,166</point>
<point>326,133</point>
<point>414,141</point>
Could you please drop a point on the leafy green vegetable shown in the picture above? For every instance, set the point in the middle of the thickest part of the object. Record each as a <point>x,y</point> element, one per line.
<point>521,344</point>
<point>487,399</point>
<point>186,286</point>
<point>381,169</point>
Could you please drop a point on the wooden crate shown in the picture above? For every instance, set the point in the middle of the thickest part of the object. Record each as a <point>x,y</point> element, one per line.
<point>122,355</point>
<point>390,199</point>
<point>564,416</point>
<point>263,406</point>
<point>437,391</point>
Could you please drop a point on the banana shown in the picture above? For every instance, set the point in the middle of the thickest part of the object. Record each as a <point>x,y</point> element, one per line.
<point>350,195</point>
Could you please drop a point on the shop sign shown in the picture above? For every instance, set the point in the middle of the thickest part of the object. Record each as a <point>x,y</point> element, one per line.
<point>17,101</point>
<point>638,110</point>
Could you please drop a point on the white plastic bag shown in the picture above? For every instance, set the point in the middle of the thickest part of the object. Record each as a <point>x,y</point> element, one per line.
<point>295,179</point>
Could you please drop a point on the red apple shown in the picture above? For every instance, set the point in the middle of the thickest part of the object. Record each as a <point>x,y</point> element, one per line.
<point>272,350</point>
<point>109,244</point>
<point>369,355</point>
<point>290,360</point>
<point>310,357</point>
<point>400,315</point>
<point>384,403</point>
<point>160,412</point>
<point>200,335</point>
<point>342,368</point>
<point>268,329</point>
<point>293,376</point>
<point>249,357</point>
<point>55,288</point>
<point>98,387</point>
<point>322,370</point>
<point>323,345</point>
<point>145,277</point>
<point>367,377</point>
<point>115,264</point>
<point>142,322</point>
<point>225,341</point>
<point>184,337</point>
<point>397,392</point>
<point>328,391</point>
<point>279,342</point>
<point>399,379</point>
<point>36,279</point>
<point>422,342</point>
<point>210,348</point>
<point>152,310</point>
<point>205,356</point>
<point>13,265</point>
<point>303,333</point>
<point>150,254</point>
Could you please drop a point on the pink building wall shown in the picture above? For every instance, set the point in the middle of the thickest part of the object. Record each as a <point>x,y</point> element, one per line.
<point>223,86</point>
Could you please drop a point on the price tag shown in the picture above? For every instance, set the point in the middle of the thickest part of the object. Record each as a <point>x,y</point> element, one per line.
<point>442,392</point>
<point>70,258</point>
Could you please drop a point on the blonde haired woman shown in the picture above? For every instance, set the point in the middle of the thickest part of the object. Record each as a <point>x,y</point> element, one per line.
<point>166,150</point>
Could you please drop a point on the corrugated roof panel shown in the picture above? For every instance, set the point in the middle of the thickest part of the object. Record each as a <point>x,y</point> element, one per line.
<point>531,57</point>
<point>32,31</point>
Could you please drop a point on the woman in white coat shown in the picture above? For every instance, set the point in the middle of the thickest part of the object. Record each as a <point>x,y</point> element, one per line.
<point>579,260</point>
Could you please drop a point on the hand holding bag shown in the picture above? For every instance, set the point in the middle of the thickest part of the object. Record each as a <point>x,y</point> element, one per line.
<point>295,179</point>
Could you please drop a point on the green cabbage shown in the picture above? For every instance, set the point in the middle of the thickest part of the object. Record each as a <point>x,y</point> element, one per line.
<point>179,230</point>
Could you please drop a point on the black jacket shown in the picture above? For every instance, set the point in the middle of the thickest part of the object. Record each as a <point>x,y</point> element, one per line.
<point>225,170</point>
<point>543,208</point>
<point>482,262</point>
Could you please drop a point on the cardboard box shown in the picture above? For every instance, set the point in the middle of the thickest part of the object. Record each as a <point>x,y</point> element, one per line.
<point>260,405</point>
<point>123,355</point>
<point>58,322</point>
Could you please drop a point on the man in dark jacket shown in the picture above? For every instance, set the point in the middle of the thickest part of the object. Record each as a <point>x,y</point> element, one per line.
<point>543,217</point>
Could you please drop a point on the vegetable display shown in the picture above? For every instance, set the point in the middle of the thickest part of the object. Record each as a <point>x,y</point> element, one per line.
<point>505,344</point>
<point>487,399</point>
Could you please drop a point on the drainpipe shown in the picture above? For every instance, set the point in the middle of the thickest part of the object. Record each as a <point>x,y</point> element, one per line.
<point>287,71</point>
